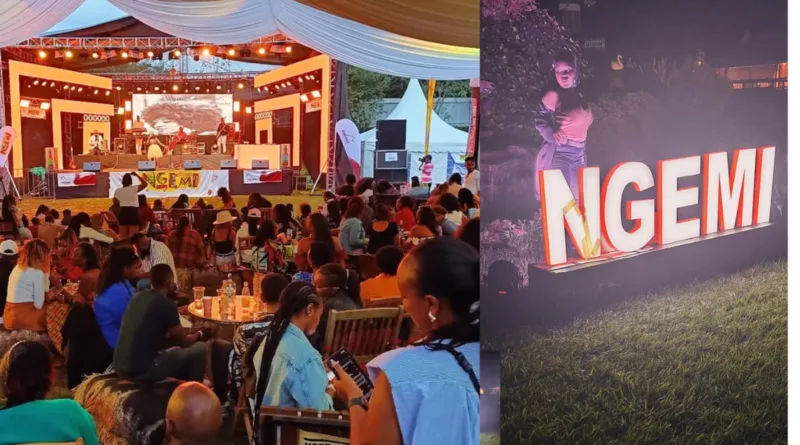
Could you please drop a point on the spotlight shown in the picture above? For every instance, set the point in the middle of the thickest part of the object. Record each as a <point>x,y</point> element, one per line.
<point>120,111</point>
<point>108,93</point>
<point>42,54</point>
<point>68,54</point>
<point>52,84</point>
<point>36,82</point>
<point>288,48</point>
<point>177,53</point>
<point>208,90</point>
<point>174,87</point>
<point>186,90</point>
<point>24,103</point>
<point>248,110</point>
<point>146,91</point>
<point>231,52</point>
<point>127,105</point>
<point>118,87</point>
<point>29,85</point>
<point>262,51</point>
<point>197,88</point>
<point>303,98</point>
<point>79,89</point>
<point>258,89</point>
<point>311,77</point>
<point>96,92</point>
<point>72,88</point>
<point>237,106</point>
<point>138,88</point>
<point>300,79</point>
<point>156,88</point>
<point>95,55</point>
<point>150,54</point>
<point>240,86</point>
<point>206,52</point>
<point>124,54</point>
<point>277,87</point>
<point>45,105</point>
<point>219,87</point>
<point>315,94</point>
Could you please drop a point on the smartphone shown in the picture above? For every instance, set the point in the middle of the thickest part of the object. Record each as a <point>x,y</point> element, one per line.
<point>331,375</point>
<point>348,363</point>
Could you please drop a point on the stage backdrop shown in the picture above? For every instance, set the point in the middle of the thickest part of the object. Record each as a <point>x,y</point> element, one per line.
<point>170,183</point>
<point>200,113</point>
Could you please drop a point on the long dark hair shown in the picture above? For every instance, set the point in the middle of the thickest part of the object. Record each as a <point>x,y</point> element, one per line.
<point>266,232</point>
<point>355,207</point>
<point>252,225</point>
<point>182,202</point>
<point>294,299</point>
<point>320,231</point>
<point>26,373</point>
<point>334,212</point>
<point>570,98</point>
<point>114,271</point>
<point>80,220</point>
<point>427,217</point>
<point>7,214</point>
<point>449,269</point>
<point>338,279</point>
<point>90,256</point>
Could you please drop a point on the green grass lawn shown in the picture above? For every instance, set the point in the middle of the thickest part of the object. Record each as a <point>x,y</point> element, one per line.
<point>490,439</point>
<point>701,364</point>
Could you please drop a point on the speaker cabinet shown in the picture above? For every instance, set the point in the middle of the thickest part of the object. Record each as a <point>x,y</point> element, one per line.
<point>390,135</point>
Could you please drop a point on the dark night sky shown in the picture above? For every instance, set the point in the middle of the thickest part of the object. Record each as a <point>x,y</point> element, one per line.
<point>676,28</point>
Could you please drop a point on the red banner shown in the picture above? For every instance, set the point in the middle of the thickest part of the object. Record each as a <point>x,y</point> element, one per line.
<point>262,176</point>
<point>472,142</point>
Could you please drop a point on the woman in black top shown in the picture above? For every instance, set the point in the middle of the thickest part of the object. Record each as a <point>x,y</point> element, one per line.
<point>334,214</point>
<point>286,224</point>
<point>182,202</point>
<point>383,231</point>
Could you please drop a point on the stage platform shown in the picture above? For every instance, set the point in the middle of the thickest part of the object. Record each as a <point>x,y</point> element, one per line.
<point>130,162</point>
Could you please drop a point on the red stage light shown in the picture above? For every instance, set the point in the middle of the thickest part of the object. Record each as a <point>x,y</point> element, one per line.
<point>95,55</point>
<point>288,48</point>
<point>262,51</point>
<point>42,54</point>
<point>174,87</point>
<point>150,54</point>
<point>124,54</point>
<point>231,52</point>
<point>240,86</point>
<point>68,54</point>
<point>108,93</point>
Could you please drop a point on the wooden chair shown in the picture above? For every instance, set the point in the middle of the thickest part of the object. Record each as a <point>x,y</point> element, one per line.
<point>385,302</point>
<point>194,215</point>
<point>366,333</point>
<point>168,222</point>
<point>266,213</point>
<point>290,426</point>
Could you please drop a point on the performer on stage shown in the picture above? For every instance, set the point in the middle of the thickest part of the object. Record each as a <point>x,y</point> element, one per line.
<point>178,138</point>
<point>154,148</point>
<point>222,135</point>
<point>96,142</point>
<point>138,133</point>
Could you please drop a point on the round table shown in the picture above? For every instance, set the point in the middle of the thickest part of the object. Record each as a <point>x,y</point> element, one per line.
<point>227,323</point>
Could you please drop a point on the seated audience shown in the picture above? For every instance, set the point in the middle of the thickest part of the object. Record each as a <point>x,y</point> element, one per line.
<point>454,214</point>
<point>327,196</point>
<point>365,189</point>
<point>88,351</point>
<point>223,238</point>
<point>267,251</point>
<point>182,202</point>
<point>427,225</point>
<point>9,252</point>
<point>351,232</point>
<point>333,213</point>
<point>249,228</point>
<point>287,226</point>
<point>158,206</point>
<point>66,217</point>
<point>384,285</point>
<point>348,189</point>
<point>447,227</point>
<point>27,372</point>
<point>418,191</point>
<point>470,233</point>
<point>147,217</point>
<point>318,255</point>
<point>289,371</point>
<point>319,231</point>
<point>227,199</point>
<point>404,217</point>
<point>29,289</point>
<point>256,201</point>
<point>427,393</point>
<point>200,204</point>
<point>188,250</point>
<point>454,184</point>
<point>99,222</point>
<point>468,204</point>
<point>152,252</point>
<point>42,211</point>
<point>49,232</point>
<point>194,415</point>
<point>384,187</point>
<point>226,357</point>
<point>151,319</point>
<point>334,286</point>
<point>305,212</point>
<point>382,231</point>
<point>34,227</point>
<point>116,291</point>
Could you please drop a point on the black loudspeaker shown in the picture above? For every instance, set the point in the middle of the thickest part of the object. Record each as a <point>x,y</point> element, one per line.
<point>390,135</point>
<point>393,176</point>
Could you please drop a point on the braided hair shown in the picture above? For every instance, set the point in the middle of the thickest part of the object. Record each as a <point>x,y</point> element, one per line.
<point>294,299</point>
<point>26,373</point>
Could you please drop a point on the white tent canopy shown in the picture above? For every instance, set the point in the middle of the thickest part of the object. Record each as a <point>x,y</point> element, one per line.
<point>240,21</point>
<point>445,140</point>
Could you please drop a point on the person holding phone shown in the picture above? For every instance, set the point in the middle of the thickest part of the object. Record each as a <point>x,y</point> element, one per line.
<point>289,371</point>
<point>428,393</point>
<point>127,197</point>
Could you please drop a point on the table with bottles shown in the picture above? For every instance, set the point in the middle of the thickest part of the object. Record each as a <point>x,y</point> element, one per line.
<point>226,310</point>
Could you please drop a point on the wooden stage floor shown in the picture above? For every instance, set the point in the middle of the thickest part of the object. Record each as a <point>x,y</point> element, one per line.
<point>130,162</point>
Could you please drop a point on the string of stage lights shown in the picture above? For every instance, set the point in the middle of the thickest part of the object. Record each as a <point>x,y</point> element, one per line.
<point>110,54</point>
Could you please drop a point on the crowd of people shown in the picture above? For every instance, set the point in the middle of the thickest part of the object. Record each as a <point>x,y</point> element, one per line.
<point>105,293</point>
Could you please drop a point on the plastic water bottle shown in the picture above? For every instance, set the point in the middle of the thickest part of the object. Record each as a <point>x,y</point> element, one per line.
<point>230,291</point>
<point>246,290</point>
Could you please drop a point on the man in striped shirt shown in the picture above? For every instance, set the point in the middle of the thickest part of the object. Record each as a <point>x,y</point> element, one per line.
<point>152,252</point>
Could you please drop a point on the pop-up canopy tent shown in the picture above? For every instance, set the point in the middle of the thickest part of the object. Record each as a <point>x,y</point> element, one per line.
<point>447,144</point>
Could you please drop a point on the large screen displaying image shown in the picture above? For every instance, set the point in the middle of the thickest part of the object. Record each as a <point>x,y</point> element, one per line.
<point>199,113</point>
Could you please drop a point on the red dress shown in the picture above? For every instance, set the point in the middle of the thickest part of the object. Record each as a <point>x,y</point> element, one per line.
<point>405,219</point>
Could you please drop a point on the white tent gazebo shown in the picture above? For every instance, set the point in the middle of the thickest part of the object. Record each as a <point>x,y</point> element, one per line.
<point>445,140</point>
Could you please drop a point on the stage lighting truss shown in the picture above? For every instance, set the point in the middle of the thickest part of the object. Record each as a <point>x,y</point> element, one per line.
<point>34,102</point>
<point>65,87</point>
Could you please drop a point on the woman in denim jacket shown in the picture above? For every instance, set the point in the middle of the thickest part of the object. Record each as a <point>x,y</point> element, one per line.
<point>290,373</point>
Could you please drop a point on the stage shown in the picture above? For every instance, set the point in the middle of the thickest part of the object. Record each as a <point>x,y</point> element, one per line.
<point>130,162</point>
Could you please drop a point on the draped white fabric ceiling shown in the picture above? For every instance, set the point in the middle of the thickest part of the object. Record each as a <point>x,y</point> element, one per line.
<point>238,21</point>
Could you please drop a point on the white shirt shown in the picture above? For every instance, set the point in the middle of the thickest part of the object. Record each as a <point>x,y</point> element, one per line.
<point>159,254</point>
<point>127,196</point>
<point>243,256</point>
<point>95,141</point>
<point>455,217</point>
<point>28,286</point>
<point>454,188</point>
<point>473,182</point>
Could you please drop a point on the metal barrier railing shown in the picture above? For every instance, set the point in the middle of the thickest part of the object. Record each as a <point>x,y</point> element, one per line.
<point>29,183</point>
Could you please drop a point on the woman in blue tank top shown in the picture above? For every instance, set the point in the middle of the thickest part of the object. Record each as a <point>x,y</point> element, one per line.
<point>427,394</point>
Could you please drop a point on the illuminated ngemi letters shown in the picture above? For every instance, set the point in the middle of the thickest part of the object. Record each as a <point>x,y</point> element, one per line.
<point>736,194</point>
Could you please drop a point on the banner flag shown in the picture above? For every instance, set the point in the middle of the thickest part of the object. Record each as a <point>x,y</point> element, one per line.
<point>168,183</point>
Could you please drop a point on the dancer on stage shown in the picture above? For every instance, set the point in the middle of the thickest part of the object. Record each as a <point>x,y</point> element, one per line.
<point>154,148</point>
<point>563,120</point>
<point>222,135</point>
